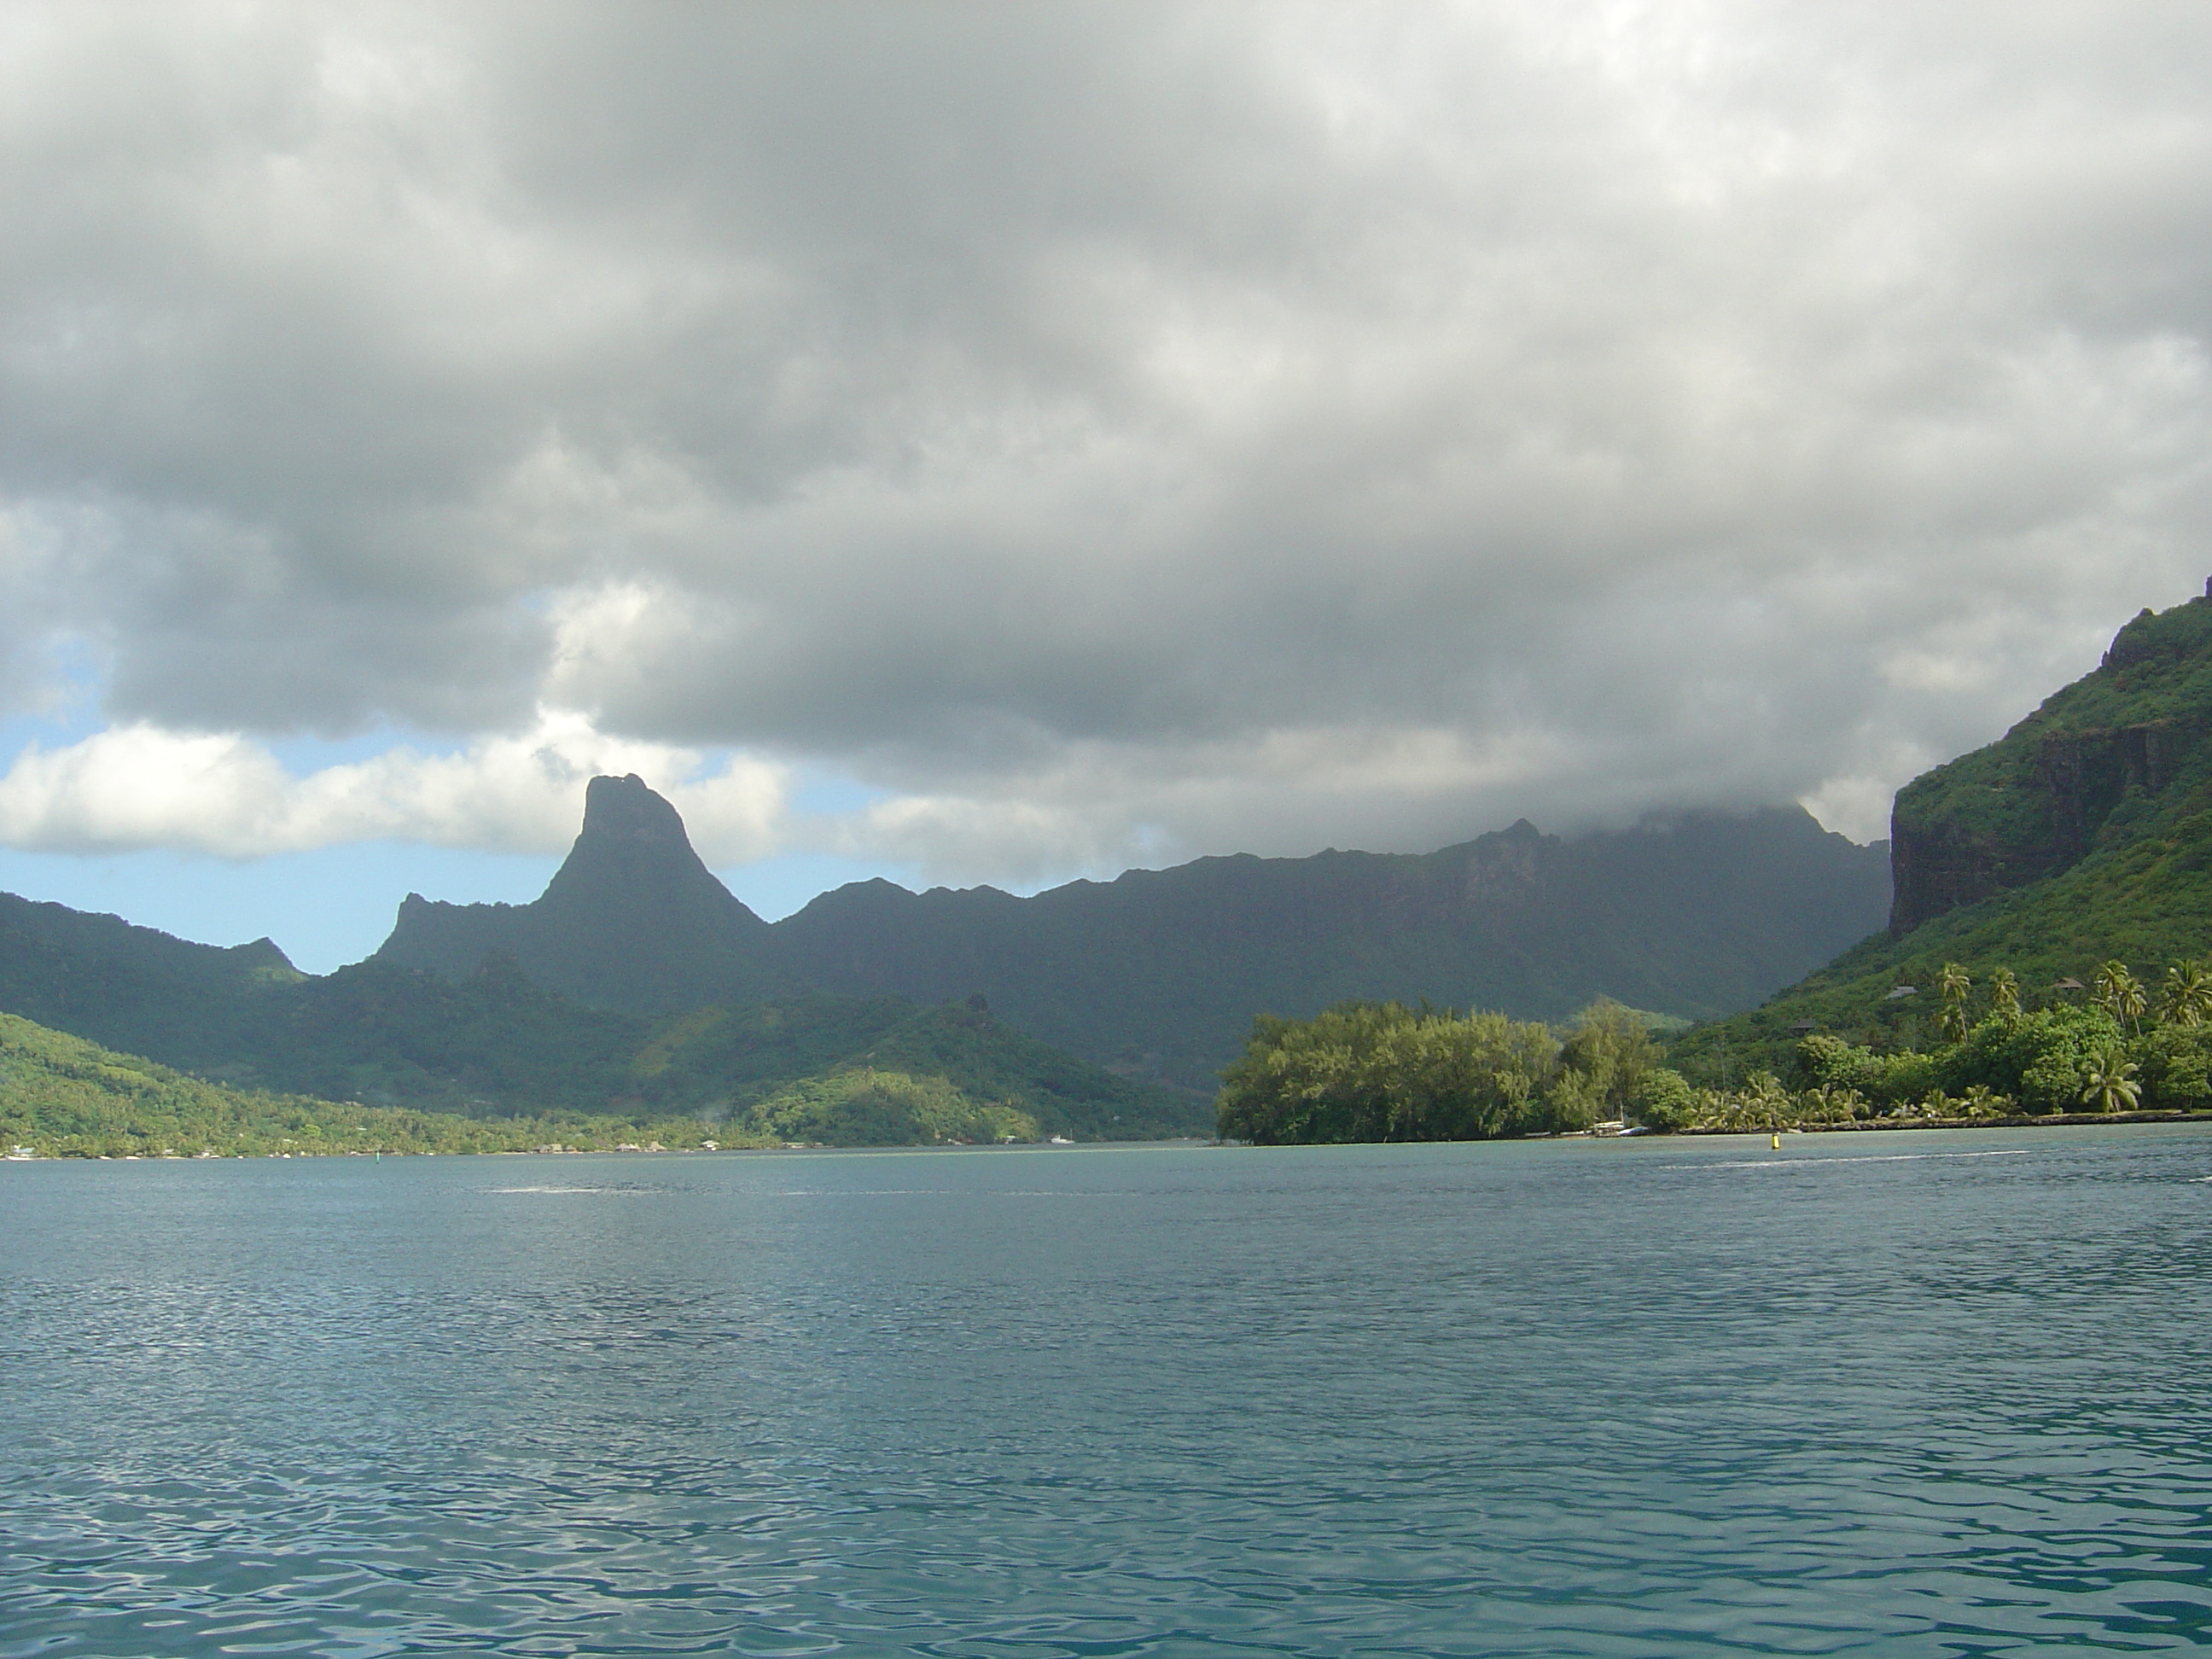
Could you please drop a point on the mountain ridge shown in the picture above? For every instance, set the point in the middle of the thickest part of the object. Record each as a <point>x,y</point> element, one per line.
<point>1157,973</point>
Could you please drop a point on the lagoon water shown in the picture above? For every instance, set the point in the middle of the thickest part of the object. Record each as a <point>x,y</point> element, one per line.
<point>1925,1393</point>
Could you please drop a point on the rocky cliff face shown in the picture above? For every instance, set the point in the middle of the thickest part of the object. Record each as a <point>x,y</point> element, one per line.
<point>2066,780</point>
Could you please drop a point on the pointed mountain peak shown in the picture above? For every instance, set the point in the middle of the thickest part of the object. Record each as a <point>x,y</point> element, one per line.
<point>633,860</point>
<point>625,806</point>
<point>632,919</point>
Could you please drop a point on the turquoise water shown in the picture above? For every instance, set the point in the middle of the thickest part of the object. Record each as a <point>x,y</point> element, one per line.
<point>1906,1394</point>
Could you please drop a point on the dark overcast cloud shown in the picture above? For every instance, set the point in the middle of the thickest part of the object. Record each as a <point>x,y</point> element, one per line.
<point>1114,430</point>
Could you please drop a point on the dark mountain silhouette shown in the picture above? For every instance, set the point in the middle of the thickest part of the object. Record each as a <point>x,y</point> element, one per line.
<point>1158,973</point>
<point>552,1005</point>
<point>585,997</point>
<point>491,1043</point>
<point>632,919</point>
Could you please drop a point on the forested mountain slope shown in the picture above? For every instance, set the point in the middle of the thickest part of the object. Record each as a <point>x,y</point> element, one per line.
<point>61,1096</point>
<point>2083,835</point>
<point>130,988</point>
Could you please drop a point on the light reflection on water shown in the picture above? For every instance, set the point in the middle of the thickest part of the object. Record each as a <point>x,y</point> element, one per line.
<point>1629,1398</point>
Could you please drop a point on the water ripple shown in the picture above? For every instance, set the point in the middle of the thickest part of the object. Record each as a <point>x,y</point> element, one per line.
<point>1541,1400</point>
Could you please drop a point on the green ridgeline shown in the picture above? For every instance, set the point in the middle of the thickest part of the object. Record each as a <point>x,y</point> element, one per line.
<point>2082,836</point>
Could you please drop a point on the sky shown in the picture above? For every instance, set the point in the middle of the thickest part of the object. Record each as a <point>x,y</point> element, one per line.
<point>1001,443</point>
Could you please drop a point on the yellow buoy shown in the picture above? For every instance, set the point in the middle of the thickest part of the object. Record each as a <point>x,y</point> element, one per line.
<point>1775,1140</point>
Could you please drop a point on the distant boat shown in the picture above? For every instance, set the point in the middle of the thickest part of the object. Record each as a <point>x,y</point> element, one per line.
<point>1059,1140</point>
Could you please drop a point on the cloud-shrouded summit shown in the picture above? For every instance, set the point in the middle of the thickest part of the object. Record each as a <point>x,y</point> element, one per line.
<point>1098,432</point>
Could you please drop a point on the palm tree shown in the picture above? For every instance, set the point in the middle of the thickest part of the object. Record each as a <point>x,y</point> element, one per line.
<point>1980,1101</point>
<point>2188,997</point>
<point>1766,1102</point>
<point>2111,1084</point>
<point>1954,984</point>
<point>2120,993</point>
<point>1827,1105</point>
<point>2004,996</point>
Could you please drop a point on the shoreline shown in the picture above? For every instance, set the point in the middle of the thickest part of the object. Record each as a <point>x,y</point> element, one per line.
<point>2017,1120</point>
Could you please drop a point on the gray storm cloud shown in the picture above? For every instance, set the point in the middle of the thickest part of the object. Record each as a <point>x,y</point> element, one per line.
<point>1111,431</point>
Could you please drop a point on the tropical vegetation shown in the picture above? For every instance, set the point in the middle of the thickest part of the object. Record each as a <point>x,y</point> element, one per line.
<point>1380,1072</point>
<point>1383,1071</point>
<point>2109,1045</point>
<point>869,1108</point>
<point>62,1096</point>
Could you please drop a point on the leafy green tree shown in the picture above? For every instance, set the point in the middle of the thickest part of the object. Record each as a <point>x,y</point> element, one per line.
<point>1611,1047</point>
<point>2186,999</point>
<point>2042,1060</point>
<point>1575,1100</point>
<point>1906,1075</point>
<point>2176,1065</point>
<point>1828,1062</point>
<point>1661,1101</point>
<point>1366,1071</point>
<point>2110,1085</point>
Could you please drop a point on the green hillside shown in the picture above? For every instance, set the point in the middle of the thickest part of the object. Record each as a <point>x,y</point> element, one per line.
<point>746,1054</point>
<point>63,1096</point>
<point>129,987</point>
<point>2083,836</point>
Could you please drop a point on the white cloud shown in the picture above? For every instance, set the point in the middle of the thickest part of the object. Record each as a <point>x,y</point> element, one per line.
<point>134,786</point>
